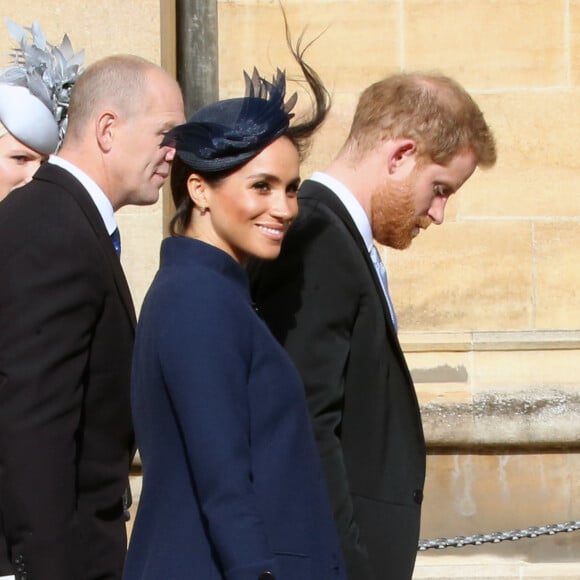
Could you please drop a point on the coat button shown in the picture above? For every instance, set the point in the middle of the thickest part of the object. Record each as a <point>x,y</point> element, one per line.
<point>266,576</point>
<point>418,496</point>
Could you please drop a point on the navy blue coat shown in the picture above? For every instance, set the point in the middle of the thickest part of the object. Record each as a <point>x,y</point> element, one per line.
<point>232,482</point>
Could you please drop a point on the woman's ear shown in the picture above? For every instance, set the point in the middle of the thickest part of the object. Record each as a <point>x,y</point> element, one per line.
<point>198,190</point>
<point>401,155</point>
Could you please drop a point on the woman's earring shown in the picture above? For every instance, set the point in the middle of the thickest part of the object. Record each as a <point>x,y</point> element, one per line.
<point>203,209</point>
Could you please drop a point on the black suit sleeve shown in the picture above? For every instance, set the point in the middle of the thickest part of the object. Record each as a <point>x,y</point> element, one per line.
<point>309,297</point>
<point>48,308</point>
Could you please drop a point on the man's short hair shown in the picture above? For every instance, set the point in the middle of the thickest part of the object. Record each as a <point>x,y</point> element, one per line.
<point>432,109</point>
<point>118,81</point>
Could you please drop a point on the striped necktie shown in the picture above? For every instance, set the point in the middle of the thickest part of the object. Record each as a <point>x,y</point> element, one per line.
<point>382,274</point>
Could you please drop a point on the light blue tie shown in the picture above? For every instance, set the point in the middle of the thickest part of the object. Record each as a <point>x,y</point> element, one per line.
<point>116,239</point>
<point>382,273</point>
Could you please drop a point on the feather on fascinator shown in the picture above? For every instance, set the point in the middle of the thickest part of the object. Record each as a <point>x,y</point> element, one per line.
<point>48,72</point>
<point>227,133</point>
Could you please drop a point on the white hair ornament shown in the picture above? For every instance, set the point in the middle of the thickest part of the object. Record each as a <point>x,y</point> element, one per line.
<point>39,81</point>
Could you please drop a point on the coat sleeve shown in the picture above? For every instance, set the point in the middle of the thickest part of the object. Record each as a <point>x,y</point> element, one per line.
<point>205,353</point>
<point>309,298</point>
<point>48,307</point>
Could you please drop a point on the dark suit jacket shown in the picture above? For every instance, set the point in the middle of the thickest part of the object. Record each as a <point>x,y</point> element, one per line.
<point>323,301</point>
<point>232,483</point>
<point>66,332</point>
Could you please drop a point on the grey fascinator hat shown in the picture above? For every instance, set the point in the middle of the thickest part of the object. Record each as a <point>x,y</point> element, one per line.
<point>226,134</point>
<point>35,89</point>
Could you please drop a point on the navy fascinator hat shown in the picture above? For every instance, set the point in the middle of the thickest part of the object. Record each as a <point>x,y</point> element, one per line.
<point>227,133</point>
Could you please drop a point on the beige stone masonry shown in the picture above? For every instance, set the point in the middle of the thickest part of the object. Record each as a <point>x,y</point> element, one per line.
<point>558,274</point>
<point>476,41</point>
<point>483,493</point>
<point>534,177</point>
<point>497,390</point>
<point>488,303</point>
<point>471,567</point>
<point>575,41</point>
<point>465,275</point>
<point>345,40</point>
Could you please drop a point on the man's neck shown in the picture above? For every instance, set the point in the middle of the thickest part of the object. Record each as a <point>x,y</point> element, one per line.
<point>354,177</point>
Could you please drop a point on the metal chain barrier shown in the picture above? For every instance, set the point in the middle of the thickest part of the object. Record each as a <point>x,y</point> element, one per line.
<point>497,537</point>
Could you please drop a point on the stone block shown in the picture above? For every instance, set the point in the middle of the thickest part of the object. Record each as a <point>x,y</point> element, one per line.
<point>537,171</point>
<point>352,43</point>
<point>517,370</point>
<point>141,234</point>
<point>557,274</point>
<point>442,377</point>
<point>482,493</point>
<point>471,567</point>
<point>468,275</point>
<point>101,29</point>
<point>476,42</point>
<point>575,41</point>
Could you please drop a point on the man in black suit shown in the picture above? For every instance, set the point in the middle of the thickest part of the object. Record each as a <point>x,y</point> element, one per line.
<point>414,140</point>
<point>67,324</point>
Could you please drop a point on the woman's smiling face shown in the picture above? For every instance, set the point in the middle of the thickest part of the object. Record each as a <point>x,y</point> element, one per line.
<point>250,211</point>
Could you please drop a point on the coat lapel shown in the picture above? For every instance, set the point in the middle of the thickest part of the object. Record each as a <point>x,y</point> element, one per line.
<point>315,190</point>
<point>75,189</point>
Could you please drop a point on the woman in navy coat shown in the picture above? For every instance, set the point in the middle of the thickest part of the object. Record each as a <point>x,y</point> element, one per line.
<point>232,485</point>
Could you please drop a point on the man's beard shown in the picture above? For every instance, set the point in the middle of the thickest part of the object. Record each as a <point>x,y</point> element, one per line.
<point>393,219</point>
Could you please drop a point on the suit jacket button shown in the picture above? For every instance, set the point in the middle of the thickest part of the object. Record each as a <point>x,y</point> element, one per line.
<point>266,576</point>
<point>418,496</point>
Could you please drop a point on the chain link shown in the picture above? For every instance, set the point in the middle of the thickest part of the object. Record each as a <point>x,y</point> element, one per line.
<point>497,537</point>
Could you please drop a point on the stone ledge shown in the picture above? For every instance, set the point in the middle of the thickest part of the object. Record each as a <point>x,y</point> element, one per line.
<point>526,420</point>
<point>497,390</point>
<point>489,340</point>
<point>497,569</point>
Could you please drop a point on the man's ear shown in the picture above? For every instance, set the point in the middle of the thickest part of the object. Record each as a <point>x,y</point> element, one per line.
<point>198,190</point>
<point>401,155</point>
<point>105,130</point>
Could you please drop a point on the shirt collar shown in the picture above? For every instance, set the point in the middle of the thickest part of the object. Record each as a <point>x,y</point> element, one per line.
<point>350,202</point>
<point>96,193</point>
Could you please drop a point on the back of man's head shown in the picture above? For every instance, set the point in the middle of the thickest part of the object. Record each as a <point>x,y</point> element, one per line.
<point>118,82</point>
<point>432,109</point>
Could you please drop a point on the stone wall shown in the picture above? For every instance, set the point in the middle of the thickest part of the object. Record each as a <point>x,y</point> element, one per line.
<point>488,304</point>
<point>501,412</point>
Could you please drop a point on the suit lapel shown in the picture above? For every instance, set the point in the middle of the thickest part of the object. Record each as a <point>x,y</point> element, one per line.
<point>315,190</point>
<point>62,178</point>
